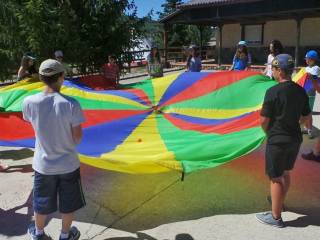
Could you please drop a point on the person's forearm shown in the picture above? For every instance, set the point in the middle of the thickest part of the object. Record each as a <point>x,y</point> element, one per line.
<point>264,122</point>
<point>265,126</point>
<point>306,121</point>
<point>77,134</point>
<point>265,71</point>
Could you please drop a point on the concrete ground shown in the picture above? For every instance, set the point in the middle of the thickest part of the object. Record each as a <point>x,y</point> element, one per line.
<point>213,204</point>
<point>217,203</point>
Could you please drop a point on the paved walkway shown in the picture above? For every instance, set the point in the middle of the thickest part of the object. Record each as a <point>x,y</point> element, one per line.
<point>217,203</point>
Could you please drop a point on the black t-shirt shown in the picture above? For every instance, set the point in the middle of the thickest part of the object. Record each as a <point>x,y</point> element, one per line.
<point>284,104</point>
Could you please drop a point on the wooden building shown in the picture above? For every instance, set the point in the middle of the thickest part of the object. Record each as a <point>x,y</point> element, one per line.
<point>296,23</point>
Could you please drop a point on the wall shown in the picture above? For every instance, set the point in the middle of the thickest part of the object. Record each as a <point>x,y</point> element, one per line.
<point>283,30</point>
<point>231,35</point>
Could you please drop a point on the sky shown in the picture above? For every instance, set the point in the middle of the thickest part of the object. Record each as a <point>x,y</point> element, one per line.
<point>144,7</point>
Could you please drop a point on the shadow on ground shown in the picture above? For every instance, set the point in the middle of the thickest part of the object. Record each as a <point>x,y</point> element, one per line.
<point>142,236</point>
<point>27,168</point>
<point>14,223</point>
<point>18,154</point>
<point>311,217</point>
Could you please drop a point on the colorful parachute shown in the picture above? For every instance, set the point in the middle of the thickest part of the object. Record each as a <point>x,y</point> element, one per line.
<point>182,122</point>
<point>302,79</point>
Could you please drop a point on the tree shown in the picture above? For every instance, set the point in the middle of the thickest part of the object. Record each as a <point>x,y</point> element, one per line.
<point>86,30</point>
<point>153,30</point>
<point>182,35</point>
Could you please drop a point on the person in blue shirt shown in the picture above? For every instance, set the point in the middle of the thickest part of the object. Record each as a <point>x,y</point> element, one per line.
<point>194,61</point>
<point>242,58</point>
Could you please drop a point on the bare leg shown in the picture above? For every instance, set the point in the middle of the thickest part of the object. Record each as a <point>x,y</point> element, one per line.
<point>40,221</point>
<point>287,181</point>
<point>66,222</point>
<point>277,195</point>
<point>316,149</point>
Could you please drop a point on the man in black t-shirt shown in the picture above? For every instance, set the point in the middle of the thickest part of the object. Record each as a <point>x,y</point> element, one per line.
<point>285,106</point>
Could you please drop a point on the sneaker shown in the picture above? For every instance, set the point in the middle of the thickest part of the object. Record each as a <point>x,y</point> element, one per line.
<point>267,218</point>
<point>269,200</point>
<point>32,233</point>
<point>74,234</point>
<point>310,156</point>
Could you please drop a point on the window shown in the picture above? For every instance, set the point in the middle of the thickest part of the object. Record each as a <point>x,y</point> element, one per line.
<point>253,34</point>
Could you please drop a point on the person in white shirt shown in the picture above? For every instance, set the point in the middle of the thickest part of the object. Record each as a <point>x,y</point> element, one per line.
<point>313,72</point>
<point>275,49</point>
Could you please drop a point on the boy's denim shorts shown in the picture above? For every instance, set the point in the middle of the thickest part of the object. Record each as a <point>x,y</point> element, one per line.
<point>66,189</point>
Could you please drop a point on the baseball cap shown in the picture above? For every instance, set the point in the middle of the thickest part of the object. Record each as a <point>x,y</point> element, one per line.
<point>283,61</point>
<point>50,67</point>
<point>243,43</point>
<point>58,53</point>
<point>312,54</point>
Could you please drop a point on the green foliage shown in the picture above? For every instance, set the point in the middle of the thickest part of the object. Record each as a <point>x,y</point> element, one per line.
<point>153,30</point>
<point>85,30</point>
<point>183,35</point>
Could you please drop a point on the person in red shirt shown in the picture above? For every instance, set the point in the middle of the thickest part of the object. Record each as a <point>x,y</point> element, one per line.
<point>111,72</point>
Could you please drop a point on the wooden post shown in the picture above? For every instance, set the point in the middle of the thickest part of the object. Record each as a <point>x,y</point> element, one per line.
<point>298,20</point>
<point>201,36</point>
<point>219,44</point>
<point>165,44</point>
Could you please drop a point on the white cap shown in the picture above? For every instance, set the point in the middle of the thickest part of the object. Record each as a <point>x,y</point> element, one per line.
<point>50,67</point>
<point>314,71</point>
<point>58,53</point>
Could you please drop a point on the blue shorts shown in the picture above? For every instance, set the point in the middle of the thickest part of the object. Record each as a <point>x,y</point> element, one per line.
<point>66,189</point>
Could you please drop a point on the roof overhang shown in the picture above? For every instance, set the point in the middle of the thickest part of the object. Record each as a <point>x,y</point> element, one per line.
<point>257,11</point>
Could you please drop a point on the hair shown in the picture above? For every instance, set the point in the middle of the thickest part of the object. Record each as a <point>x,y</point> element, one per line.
<point>112,56</point>
<point>244,50</point>
<point>277,47</point>
<point>287,72</point>
<point>196,53</point>
<point>51,80</point>
<point>25,62</point>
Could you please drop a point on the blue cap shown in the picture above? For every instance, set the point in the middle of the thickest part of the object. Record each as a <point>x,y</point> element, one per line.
<point>312,54</point>
<point>283,61</point>
<point>244,43</point>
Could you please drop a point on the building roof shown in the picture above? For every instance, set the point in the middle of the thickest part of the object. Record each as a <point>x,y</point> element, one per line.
<point>219,12</point>
<point>202,3</point>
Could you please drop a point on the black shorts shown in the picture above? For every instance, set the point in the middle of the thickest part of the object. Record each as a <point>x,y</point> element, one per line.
<point>65,188</point>
<point>281,157</point>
